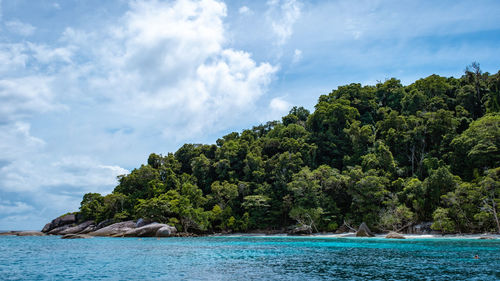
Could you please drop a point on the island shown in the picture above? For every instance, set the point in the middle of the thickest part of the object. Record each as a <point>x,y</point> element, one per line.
<point>419,158</point>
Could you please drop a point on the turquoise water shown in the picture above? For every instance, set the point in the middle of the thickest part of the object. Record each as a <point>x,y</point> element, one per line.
<point>247,258</point>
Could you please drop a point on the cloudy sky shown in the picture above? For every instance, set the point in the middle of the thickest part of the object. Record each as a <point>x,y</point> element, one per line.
<point>89,88</point>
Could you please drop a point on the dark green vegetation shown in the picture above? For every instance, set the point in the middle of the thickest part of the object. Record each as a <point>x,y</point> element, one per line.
<point>389,155</point>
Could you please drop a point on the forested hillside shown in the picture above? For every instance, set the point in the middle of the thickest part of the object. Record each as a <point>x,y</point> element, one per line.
<point>389,155</point>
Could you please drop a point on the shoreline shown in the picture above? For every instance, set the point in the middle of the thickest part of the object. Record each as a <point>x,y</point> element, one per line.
<point>484,236</point>
<point>469,236</point>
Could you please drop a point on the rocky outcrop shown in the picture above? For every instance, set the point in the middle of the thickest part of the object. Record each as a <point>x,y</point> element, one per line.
<point>166,231</point>
<point>76,229</point>
<point>302,229</point>
<point>394,235</point>
<point>75,236</point>
<point>114,229</point>
<point>60,221</point>
<point>142,222</point>
<point>89,229</point>
<point>364,231</point>
<point>104,223</point>
<point>58,230</point>
<point>30,233</point>
<point>151,230</point>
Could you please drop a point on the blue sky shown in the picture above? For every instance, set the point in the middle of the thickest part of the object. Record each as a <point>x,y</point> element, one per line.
<point>89,88</point>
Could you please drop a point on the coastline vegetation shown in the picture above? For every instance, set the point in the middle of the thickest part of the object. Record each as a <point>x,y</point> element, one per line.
<point>386,154</point>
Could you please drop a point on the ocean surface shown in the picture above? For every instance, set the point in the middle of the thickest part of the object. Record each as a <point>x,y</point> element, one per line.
<point>247,258</point>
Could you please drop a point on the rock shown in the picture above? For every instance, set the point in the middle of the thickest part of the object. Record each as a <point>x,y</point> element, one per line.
<point>142,222</point>
<point>364,231</point>
<point>60,221</point>
<point>166,231</point>
<point>47,227</point>
<point>149,230</point>
<point>58,230</point>
<point>9,233</point>
<point>30,233</point>
<point>486,237</point>
<point>76,229</point>
<point>89,229</point>
<point>114,229</point>
<point>75,236</point>
<point>104,223</point>
<point>303,229</point>
<point>394,235</point>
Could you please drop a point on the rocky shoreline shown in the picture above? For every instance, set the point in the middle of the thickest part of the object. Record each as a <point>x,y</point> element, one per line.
<point>68,227</point>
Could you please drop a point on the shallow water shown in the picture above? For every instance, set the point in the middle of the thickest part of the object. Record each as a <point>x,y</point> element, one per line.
<point>247,258</point>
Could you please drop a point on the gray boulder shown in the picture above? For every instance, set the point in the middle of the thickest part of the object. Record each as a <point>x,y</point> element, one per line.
<point>364,231</point>
<point>60,221</point>
<point>166,231</point>
<point>58,230</point>
<point>75,236</point>
<point>150,230</point>
<point>47,227</point>
<point>76,229</point>
<point>142,222</point>
<point>89,229</point>
<point>394,235</point>
<point>104,223</point>
<point>114,229</point>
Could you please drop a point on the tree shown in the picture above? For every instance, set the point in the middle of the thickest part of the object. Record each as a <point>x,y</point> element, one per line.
<point>491,198</point>
<point>224,192</point>
<point>442,222</point>
<point>91,205</point>
<point>478,147</point>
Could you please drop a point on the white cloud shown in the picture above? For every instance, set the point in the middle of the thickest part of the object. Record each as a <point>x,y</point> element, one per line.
<point>244,10</point>
<point>163,69</point>
<point>171,59</point>
<point>278,107</point>
<point>21,28</point>
<point>24,96</point>
<point>297,56</point>
<point>8,208</point>
<point>16,139</point>
<point>279,104</point>
<point>283,15</point>
<point>56,6</point>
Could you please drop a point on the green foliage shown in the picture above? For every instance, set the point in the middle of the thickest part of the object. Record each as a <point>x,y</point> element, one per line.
<point>442,222</point>
<point>388,155</point>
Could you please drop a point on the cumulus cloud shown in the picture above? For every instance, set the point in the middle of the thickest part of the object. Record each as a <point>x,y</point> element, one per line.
<point>21,28</point>
<point>283,15</point>
<point>163,69</point>
<point>171,57</point>
<point>278,107</point>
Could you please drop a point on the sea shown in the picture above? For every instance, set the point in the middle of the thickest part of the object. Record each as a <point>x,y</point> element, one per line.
<point>247,258</point>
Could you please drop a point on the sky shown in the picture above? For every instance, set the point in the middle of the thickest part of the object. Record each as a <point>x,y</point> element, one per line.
<point>89,88</point>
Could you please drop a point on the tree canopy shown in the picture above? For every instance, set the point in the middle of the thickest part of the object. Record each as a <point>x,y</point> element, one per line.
<point>386,154</point>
